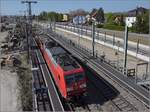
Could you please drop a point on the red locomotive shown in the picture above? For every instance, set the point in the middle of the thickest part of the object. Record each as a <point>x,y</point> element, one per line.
<point>68,74</point>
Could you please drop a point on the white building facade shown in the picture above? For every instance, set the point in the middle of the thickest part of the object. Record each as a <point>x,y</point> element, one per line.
<point>130,21</point>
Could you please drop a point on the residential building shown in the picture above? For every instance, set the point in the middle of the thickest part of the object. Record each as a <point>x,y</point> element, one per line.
<point>132,14</point>
<point>65,17</point>
<point>79,19</point>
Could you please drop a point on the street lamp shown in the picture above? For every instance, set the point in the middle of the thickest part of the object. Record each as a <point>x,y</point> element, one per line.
<point>93,37</point>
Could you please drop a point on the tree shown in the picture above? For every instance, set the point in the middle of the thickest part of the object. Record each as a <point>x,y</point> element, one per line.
<point>110,18</point>
<point>122,23</point>
<point>142,23</point>
<point>53,16</point>
<point>93,11</point>
<point>78,12</point>
<point>100,15</point>
<point>43,16</point>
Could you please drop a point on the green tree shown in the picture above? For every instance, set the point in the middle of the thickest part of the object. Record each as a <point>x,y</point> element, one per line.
<point>43,16</point>
<point>100,15</point>
<point>110,18</point>
<point>53,16</point>
<point>142,23</point>
<point>122,23</point>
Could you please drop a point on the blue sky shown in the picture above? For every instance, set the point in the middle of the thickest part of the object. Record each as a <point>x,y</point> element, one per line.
<point>13,7</point>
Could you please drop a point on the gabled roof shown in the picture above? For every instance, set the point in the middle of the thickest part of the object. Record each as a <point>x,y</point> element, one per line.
<point>135,12</point>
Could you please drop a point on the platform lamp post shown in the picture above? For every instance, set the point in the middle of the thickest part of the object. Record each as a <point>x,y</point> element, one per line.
<point>118,42</point>
<point>125,49</point>
<point>78,29</point>
<point>93,38</point>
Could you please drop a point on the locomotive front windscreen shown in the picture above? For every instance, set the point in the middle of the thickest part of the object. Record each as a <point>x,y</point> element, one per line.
<point>75,78</point>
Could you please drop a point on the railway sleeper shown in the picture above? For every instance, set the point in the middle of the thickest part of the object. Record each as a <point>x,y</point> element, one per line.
<point>122,104</point>
<point>126,107</point>
<point>119,102</point>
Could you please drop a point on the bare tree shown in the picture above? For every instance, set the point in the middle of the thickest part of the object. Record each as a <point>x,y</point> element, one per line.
<point>78,12</point>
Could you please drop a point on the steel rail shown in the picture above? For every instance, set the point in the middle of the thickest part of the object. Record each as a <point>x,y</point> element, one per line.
<point>52,92</point>
<point>110,72</point>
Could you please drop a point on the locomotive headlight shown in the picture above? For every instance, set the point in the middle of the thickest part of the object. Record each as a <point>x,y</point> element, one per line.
<point>83,85</point>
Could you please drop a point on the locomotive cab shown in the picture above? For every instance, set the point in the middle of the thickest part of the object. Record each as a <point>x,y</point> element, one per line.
<point>75,84</point>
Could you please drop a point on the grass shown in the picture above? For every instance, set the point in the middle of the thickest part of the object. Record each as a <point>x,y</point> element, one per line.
<point>113,27</point>
<point>132,37</point>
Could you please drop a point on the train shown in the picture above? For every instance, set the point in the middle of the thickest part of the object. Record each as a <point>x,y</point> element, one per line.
<point>68,74</point>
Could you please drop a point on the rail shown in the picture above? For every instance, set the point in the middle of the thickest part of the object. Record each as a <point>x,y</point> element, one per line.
<point>55,101</point>
<point>99,66</point>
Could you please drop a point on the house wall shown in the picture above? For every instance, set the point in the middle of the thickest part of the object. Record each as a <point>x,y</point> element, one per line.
<point>79,19</point>
<point>130,20</point>
<point>65,17</point>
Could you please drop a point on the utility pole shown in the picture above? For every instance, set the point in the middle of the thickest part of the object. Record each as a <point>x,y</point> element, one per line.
<point>118,42</point>
<point>29,9</point>
<point>29,32</point>
<point>125,49</point>
<point>137,47</point>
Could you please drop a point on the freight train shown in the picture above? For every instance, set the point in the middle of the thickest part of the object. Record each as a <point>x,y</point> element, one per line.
<point>68,74</point>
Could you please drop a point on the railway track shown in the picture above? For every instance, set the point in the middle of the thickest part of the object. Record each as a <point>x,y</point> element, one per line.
<point>49,100</point>
<point>110,94</point>
<point>119,103</point>
<point>42,98</point>
<point>78,105</point>
<point>106,69</point>
<point>74,107</point>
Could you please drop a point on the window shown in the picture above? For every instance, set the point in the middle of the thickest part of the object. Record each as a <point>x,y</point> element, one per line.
<point>70,79</point>
<point>79,77</point>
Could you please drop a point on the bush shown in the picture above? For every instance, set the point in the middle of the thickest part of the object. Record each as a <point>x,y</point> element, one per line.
<point>132,29</point>
<point>114,27</point>
<point>99,26</point>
